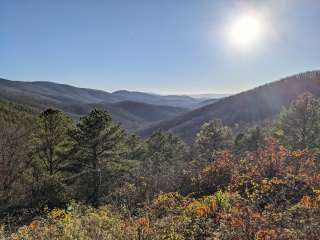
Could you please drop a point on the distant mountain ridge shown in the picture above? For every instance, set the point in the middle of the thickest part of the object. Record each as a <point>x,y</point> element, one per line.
<point>210,95</point>
<point>60,93</point>
<point>132,109</point>
<point>156,99</point>
<point>248,107</point>
<point>145,113</point>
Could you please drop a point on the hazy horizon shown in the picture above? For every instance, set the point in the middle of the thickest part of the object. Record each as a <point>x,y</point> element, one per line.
<point>167,47</point>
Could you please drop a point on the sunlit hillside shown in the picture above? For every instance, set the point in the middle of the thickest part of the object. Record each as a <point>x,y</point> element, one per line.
<point>247,108</point>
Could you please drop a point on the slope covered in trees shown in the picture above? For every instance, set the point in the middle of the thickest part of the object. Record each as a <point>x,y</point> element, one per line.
<point>131,115</point>
<point>11,112</point>
<point>246,108</point>
<point>92,180</point>
<point>43,93</point>
<point>132,109</point>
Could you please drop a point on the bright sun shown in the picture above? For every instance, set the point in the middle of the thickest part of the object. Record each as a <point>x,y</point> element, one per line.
<point>245,31</point>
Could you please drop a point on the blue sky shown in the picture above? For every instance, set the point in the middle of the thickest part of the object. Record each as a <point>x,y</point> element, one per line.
<point>161,46</point>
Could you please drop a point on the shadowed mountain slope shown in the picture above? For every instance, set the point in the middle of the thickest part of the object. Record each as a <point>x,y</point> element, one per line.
<point>248,107</point>
<point>79,101</point>
<point>131,115</point>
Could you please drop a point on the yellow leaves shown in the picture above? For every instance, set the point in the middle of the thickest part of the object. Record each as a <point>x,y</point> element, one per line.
<point>60,215</point>
<point>317,193</point>
<point>298,153</point>
<point>164,197</point>
<point>266,185</point>
<point>249,206</point>
<point>167,200</point>
<point>165,203</point>
<point>51,227</point>
<point>223,199</point>
<point>277,181</point>
<point>85,223</point>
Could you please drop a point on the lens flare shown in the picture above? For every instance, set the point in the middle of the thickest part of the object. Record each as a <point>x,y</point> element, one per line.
<point>245,31</point>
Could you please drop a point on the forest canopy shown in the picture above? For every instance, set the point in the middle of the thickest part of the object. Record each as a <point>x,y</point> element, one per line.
<point>61,179</point>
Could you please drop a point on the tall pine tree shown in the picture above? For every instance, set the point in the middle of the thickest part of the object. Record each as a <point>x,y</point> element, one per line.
<point>99,143</point>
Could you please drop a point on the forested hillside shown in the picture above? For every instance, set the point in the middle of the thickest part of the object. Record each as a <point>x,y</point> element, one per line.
<point>44,93</point>
<point>61,179</point>
<point>246,108</point>
<point>134,110</point>
<point>11,112</point>
<point>131,115</point>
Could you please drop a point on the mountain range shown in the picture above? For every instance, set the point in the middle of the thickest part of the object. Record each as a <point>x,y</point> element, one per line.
<point>133,110</point>
<point>246,108</point>
<point>145,113</point>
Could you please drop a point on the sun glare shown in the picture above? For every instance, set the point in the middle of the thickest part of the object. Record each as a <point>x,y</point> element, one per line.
<point>245,31</point>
